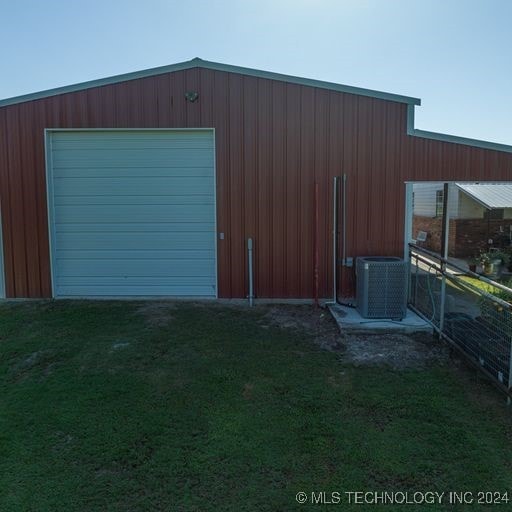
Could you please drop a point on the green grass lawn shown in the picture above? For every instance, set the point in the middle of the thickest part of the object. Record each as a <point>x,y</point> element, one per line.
<point>479,284</point>
<point>110,406</point>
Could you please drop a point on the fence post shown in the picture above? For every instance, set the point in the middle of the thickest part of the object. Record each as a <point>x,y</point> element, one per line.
<point>444,254</point>
<point>408,258</point>
<point>442,302</point>
<point>416,282</point>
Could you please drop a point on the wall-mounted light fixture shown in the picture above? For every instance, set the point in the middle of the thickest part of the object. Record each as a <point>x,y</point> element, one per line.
<point>191,96</point>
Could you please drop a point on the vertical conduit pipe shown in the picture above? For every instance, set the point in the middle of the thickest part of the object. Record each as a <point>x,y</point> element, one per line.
<point>335,240</point>
<point>344,225</point>
<point>316,249</point>
<point>343,230</point>
<point>251,277</point>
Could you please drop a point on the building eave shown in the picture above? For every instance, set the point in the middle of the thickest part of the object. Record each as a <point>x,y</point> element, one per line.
<point>216,66</point>
<point>454,139</point>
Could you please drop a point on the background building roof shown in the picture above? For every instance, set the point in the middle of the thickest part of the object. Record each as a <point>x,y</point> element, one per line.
<point>490,195</point>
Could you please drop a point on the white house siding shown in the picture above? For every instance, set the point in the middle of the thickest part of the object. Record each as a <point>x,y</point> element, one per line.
<point>425,199</point>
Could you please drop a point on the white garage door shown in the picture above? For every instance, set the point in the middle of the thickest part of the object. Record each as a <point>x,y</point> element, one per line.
<point>132,213</point>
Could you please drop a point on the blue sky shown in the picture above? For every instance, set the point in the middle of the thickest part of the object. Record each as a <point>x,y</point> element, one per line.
<point>453,54</point>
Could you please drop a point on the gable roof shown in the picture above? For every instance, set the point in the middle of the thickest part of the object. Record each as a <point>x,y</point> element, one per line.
<point>489,195</point>
<point>204,64</point>
<point>216,66</point>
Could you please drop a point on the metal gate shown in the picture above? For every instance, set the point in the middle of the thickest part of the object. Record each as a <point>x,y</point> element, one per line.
<point>475,320</point>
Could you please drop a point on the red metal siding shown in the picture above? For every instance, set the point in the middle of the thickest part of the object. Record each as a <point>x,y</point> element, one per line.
<point>274,140</point>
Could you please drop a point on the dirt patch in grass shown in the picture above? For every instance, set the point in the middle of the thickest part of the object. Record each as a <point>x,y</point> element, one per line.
<point>120,345</point>
<point>398,351</point>
<point>157,314</point>
<point>248,390</point>
<point>315,322</point>
<point>369,348</point>
<point>41,360</point>
<point>61,441</point>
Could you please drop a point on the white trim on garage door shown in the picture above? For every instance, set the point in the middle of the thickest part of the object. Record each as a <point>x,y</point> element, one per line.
<point>132,212</point>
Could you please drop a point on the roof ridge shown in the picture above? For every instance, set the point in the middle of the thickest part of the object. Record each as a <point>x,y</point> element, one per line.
<point>198,62</point>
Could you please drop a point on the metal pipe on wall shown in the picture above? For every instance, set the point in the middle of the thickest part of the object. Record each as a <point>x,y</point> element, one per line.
<point>344,222</point>
<point>250,264</point>
<point>343,232</point>
<point>316,248</point>
<point>334,241</point>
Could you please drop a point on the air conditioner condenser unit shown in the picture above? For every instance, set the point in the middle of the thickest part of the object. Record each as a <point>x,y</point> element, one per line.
<point>381,285</point>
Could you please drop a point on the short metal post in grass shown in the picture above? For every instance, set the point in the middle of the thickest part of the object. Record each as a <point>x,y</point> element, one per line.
<point>250,265</point>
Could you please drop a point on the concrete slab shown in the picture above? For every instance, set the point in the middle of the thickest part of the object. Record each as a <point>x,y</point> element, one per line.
<point>348,319</point>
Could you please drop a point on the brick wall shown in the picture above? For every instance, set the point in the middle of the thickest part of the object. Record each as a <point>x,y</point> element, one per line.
<point>433,226</point>
<point>467,237</point>
<point>473,234</point>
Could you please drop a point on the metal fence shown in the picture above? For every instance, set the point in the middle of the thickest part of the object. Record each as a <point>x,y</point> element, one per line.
<point>471,312</point>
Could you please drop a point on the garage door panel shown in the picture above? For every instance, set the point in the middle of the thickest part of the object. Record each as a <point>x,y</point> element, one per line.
<point>135,291</point>
<point>135,227</point>
<point>196,241</point>
<point>131,158</point>
<point>142,171</point>
<point>142,268</point>
<point>138,281</point>
<point>133,213</point>
<point>119,138</point>
<point>148,254</point>
<point>132,200</point>
<point>140,143</point>
<point>191,185</point>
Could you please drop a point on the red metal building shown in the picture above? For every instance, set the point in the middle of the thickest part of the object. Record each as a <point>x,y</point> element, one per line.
<point>274,137</point>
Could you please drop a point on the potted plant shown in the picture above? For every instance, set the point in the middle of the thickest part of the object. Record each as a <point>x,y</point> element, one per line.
<point>491,261</point>
<point>499,257</point>
<point>472,263</point>
<point>486,263</point>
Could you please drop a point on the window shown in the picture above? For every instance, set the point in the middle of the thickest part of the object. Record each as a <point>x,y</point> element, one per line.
<point>439,202</point>
<point>496,214</point>
<point>413,200</point>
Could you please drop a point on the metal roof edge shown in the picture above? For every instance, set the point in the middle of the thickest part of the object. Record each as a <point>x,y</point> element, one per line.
<point>455,139</point>
<point>496,146</point>
<point>199,63</point>
<point>477,199</point>
<point>270,75</point>
<point>99,82</point>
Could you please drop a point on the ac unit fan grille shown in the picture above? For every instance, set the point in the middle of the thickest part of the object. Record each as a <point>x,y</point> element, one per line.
<point>382,287</point>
